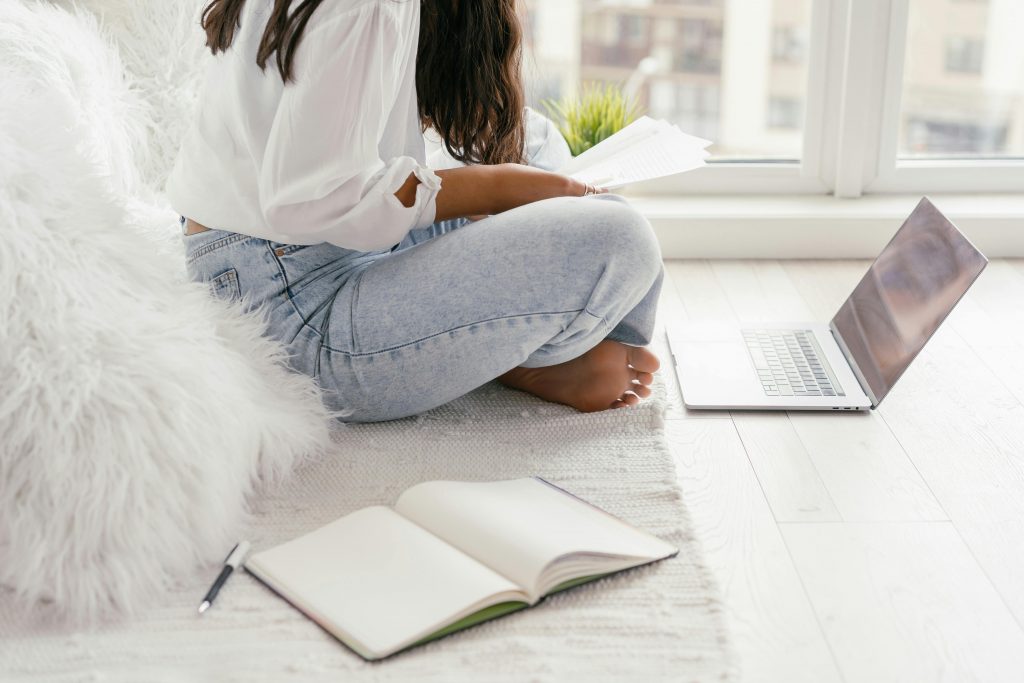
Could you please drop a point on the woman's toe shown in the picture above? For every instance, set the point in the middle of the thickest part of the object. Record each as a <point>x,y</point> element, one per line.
<point>643,377</point>
<point>641,390</point>
<point>642,359</point>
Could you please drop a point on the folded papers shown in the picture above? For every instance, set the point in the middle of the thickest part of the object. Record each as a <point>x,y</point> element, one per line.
<point>644,150</point>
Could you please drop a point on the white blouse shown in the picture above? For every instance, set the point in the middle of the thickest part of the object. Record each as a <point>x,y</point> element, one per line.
<point>318,159</point>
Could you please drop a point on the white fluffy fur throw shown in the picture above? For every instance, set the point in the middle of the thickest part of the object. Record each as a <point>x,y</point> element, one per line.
<point>137,413</point>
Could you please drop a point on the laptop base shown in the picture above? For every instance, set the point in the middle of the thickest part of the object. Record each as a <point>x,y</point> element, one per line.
<point>717,371</point>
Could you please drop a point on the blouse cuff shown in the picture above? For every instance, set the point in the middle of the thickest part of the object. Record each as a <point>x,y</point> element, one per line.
<point>426,195</point>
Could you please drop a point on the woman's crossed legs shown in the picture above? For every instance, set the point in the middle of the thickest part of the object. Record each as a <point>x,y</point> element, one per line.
<point>556,298</point>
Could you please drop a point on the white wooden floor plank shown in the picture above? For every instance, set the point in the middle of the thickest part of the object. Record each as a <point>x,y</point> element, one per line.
<point>865,469</point>
<point>774,631</point>
<point>994,340</point>
<point>847,465</point>
<point>699,291</point>
<point>965,433</point>
<point>998,291</point>
<point>760,291</point>
<point>959,424</point>
<point>905,602</point>
<point>787,474</point>
<point>825,285</point>
<point>991,320</point>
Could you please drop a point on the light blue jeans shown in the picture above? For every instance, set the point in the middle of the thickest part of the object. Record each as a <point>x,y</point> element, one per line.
<point>392,333</point>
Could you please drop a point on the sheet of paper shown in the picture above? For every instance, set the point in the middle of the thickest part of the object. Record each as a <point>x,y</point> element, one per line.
<point>635,133</point>
<point>519,526</point>
<point>644,150</point>
<point>654,158</point>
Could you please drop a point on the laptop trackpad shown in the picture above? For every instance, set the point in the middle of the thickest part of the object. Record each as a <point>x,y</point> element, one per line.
<point>712,372</point>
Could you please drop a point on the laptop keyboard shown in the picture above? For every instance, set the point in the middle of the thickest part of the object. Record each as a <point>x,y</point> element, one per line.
<point>790,363</point>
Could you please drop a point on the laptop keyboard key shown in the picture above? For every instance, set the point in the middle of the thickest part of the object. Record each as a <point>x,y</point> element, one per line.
<point>788,363</point>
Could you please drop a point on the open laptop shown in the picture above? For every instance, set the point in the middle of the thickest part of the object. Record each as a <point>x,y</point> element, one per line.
<point>854,361</point>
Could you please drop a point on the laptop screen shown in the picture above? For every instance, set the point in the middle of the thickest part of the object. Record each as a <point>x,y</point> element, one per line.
<point>906,294</point>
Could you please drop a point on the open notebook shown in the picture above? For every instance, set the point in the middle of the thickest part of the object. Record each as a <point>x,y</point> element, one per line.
<point>447,556</point>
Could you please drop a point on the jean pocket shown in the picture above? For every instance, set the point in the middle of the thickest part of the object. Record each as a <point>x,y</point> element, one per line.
<point>203,243</point>
<point>225,285</point>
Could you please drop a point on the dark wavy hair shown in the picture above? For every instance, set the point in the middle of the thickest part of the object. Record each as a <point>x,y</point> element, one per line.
<point>468,67</point>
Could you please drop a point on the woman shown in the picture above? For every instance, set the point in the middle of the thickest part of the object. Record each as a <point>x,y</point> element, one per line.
<point>307,195</point>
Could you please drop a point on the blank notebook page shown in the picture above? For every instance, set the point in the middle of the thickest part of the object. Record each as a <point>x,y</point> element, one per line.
<point>519,526</point>
<point>378,577</point>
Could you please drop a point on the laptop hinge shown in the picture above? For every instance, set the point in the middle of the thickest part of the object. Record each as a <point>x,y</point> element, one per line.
<point>852,362</point>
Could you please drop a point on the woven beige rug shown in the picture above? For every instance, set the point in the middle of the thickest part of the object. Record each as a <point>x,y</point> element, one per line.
<point>657,623</point>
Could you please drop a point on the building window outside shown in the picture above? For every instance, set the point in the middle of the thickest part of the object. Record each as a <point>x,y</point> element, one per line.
<point>956,138</point>
<point>964,55</point>
<point>700,46</point>
<point>633,29</point>
<point>963,81</point>
<point>695,108</point>
<point>788,44</point>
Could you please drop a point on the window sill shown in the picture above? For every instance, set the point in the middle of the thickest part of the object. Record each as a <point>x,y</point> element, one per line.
<point>821,226</point>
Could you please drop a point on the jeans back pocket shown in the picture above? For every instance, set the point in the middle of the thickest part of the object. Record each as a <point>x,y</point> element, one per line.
<point>225,285</point>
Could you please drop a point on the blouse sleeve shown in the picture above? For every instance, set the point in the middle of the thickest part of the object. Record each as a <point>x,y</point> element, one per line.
<point>322,177</point>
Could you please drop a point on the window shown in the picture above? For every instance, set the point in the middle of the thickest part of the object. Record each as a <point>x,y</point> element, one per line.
<point>788,44</point>
<point>693,107</point>
<point>954,137</point>
<point>964,55</point>
<point>673,54</point>
<point>698,46</point>
<point>633,29</point>
<point>806,96</point>
<point>958,104</point>
<point>959,128</point>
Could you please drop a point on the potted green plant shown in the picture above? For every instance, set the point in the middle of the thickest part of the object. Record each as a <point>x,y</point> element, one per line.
<point>598,112</point>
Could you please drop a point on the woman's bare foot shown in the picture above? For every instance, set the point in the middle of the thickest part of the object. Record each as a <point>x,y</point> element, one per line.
<point>610,375</point>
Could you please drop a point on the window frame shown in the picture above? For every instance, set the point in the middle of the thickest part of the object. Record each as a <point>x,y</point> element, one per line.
<point>893,175</point>
<point>851,121</point>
